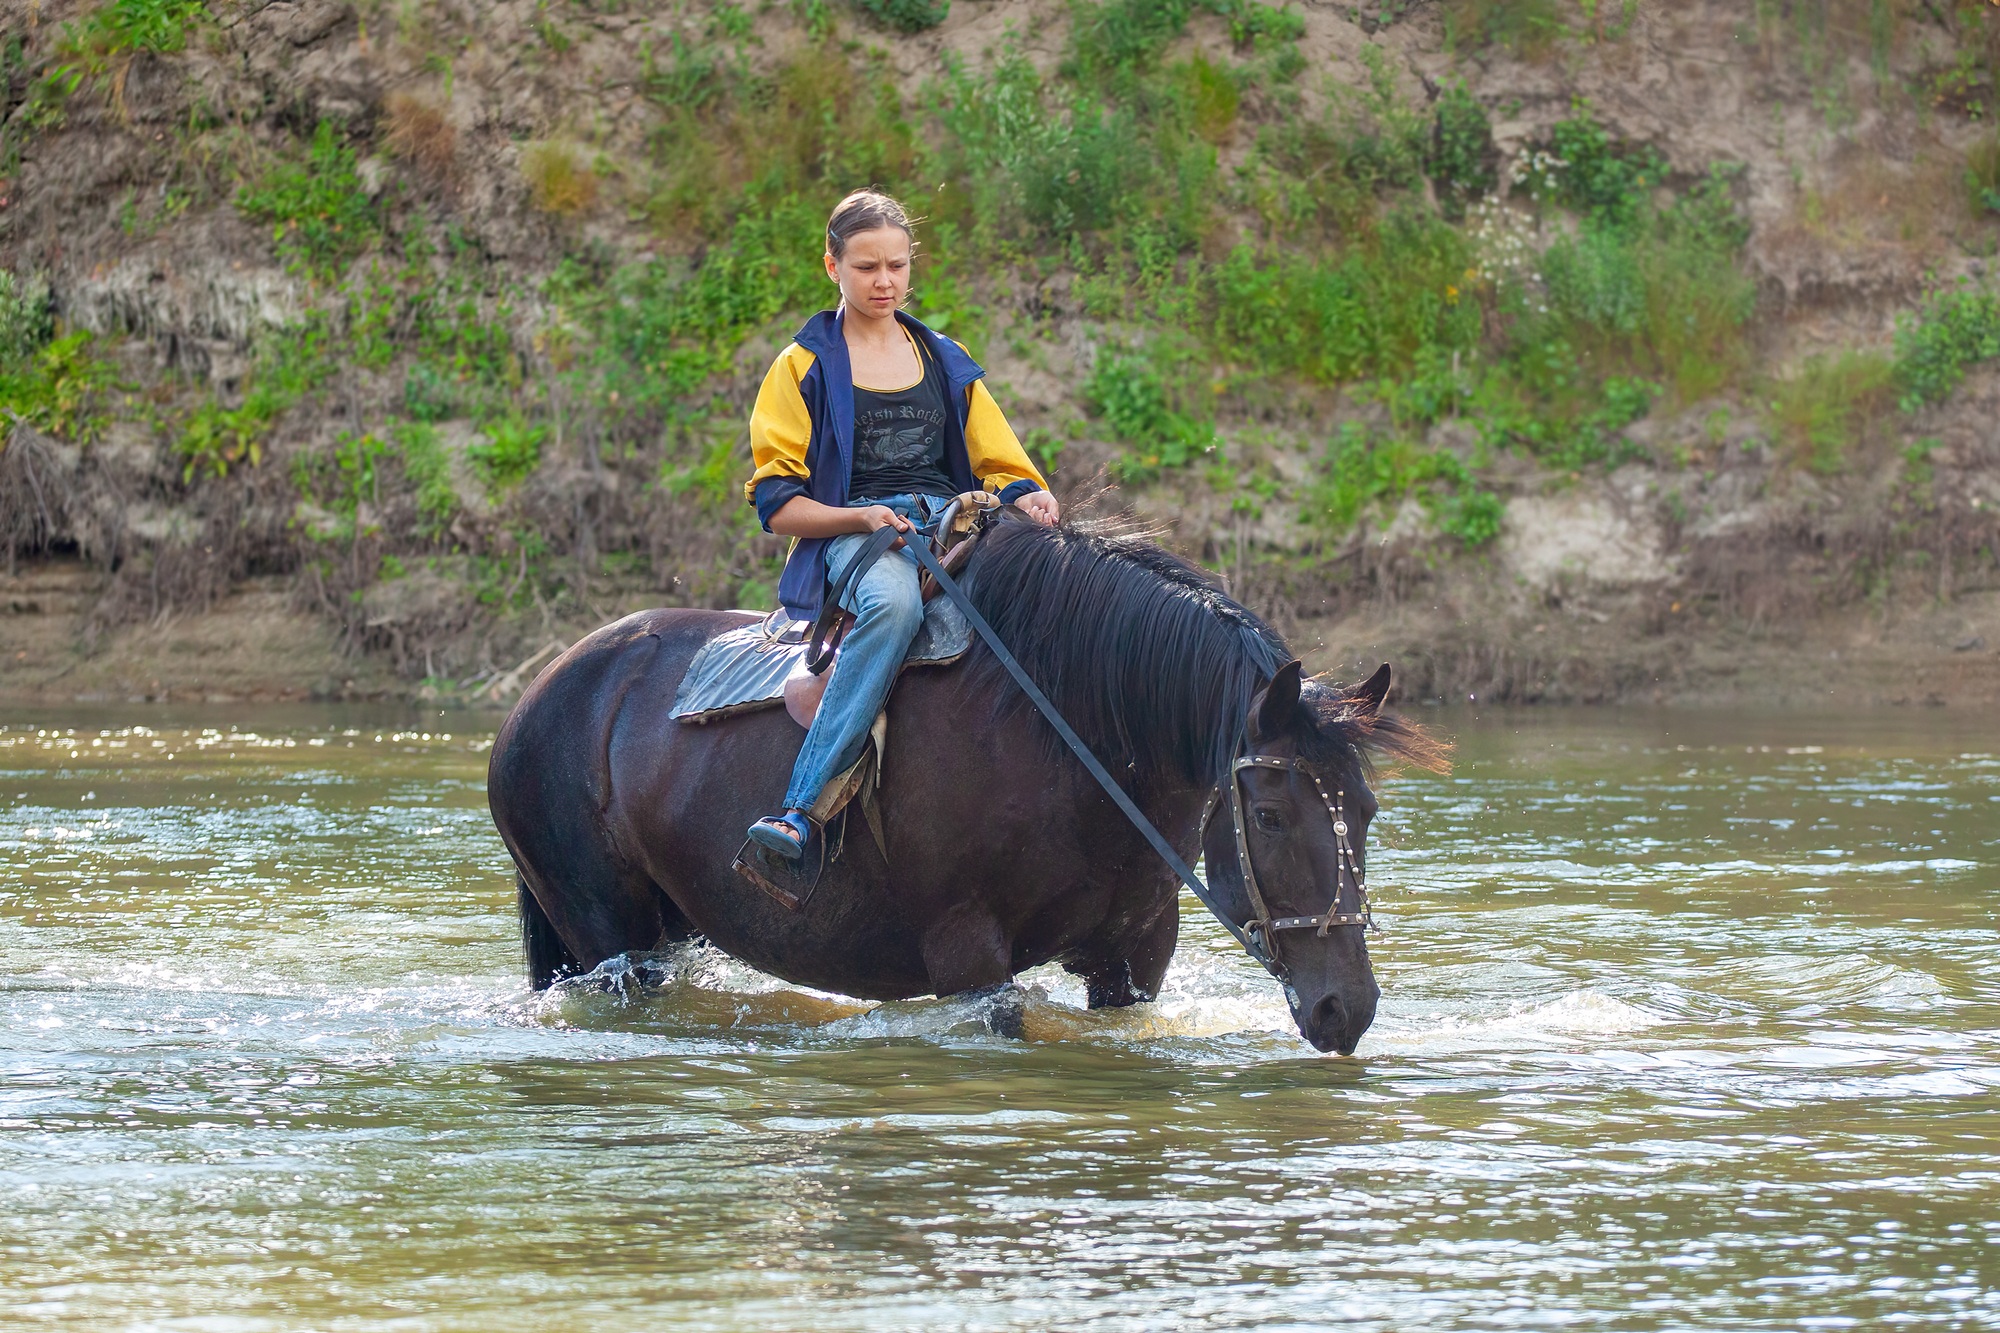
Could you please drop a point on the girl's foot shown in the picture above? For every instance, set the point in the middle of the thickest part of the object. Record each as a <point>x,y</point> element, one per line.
<point>784,834</point>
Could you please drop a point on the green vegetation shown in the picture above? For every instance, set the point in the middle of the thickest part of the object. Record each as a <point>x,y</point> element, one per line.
<point>1242,239</point>
<point>60,388</point>
<point>26,320</point>
<point>508,451</point>
<point>1826,407</point>
<point>1365,471</point>
<point>1951,330</point>
<point>906,15</point>
<point>1462,157</point>
<point>320,212</point>
<point>1982,174</point>
<point>289,364</point>
<point>48,379</point>
<point>124,26</point>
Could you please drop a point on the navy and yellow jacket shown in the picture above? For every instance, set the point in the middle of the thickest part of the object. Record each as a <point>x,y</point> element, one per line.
<point>802,440</point>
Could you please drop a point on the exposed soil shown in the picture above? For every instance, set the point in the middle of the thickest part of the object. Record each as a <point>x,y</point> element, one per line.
<point>1718,569</point>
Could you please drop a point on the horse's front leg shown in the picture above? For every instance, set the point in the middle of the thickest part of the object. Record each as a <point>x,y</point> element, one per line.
<point>1132,975</point>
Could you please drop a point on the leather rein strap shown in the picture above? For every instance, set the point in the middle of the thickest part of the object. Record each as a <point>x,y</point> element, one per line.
<point>819,653</point>
<point>1247,939</point>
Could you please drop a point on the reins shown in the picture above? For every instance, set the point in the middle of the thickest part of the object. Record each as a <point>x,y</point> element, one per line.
<point>1263,927</point>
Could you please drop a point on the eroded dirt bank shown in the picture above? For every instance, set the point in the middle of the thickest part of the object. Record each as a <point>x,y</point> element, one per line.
<point>324,464</point>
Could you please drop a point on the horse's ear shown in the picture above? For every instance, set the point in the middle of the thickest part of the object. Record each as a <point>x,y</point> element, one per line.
<point>1271,713</point>
<point>1370,693</point>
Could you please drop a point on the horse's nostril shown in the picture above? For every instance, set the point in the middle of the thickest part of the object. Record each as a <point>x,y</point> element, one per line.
<point>1329,1016</point>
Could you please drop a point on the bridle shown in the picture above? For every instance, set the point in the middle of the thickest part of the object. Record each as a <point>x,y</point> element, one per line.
<point>1263,926</point>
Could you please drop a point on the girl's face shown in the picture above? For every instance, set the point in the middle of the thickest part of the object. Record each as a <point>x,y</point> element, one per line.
<point>874,273</point>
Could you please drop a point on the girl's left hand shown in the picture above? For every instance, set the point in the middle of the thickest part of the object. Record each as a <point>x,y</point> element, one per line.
<point>1040,506</point>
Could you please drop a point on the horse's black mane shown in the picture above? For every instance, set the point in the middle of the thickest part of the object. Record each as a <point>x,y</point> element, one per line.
<point>1143,652</point>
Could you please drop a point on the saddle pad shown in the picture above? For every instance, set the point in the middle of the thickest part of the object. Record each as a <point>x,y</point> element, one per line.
<point>745,669</point>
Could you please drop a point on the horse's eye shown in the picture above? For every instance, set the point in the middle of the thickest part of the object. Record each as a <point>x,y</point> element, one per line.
<point>1270,821</point>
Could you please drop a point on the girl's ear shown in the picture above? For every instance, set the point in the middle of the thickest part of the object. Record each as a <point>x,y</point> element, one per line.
<point>832,268</point>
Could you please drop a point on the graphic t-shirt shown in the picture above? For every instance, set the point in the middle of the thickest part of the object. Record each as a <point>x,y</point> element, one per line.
<point>899,438</point>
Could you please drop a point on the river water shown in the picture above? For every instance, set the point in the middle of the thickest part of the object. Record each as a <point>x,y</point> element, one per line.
<point>1688,1021</point>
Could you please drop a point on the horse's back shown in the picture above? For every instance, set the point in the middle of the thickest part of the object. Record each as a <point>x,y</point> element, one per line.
<point>549,779</point>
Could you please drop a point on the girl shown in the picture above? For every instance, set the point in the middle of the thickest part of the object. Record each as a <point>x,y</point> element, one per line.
<point>868,420</point>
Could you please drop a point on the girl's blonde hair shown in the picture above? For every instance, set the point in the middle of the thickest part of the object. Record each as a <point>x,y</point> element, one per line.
<point>864,210</point>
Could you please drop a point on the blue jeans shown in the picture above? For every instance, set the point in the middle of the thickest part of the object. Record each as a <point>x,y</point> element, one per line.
<point>887,609</point>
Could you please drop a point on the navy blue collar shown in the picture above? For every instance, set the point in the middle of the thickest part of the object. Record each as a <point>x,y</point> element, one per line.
<point>822,337</point>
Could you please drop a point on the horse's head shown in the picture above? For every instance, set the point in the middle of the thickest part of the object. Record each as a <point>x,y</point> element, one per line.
<point>1304,831</point>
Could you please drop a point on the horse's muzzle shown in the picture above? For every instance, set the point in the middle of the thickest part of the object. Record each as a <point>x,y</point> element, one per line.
<point>1336,1025</point>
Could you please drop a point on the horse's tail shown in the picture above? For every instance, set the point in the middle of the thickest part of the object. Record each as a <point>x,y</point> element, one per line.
<point>548,957</point>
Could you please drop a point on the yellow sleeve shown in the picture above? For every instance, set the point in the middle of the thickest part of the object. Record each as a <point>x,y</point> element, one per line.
<point>780,426</point>
<point>997,458</point>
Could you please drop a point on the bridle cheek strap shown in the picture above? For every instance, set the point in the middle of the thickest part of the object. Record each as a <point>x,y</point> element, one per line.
<point>1346,867</point>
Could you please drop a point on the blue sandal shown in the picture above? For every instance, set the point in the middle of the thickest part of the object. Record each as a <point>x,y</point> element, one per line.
<point>784,834</point>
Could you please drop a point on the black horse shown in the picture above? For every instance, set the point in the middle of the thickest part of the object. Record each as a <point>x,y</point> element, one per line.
<point>1001,852</point>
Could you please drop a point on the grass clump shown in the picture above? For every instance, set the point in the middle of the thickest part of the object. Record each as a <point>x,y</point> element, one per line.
<point>420,133</point>
<point>319,210</point>
<point>559,180</point>
<point>1829,404</point>
<point>1982,174</point>
<point>1527,27</point>
<point>1952,330</point>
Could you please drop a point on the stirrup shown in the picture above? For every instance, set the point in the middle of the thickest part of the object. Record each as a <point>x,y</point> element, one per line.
<point>785,834</point>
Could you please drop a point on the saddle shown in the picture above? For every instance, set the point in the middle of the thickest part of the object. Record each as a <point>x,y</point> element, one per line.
<point>777,661</point>
<point>773,661</point>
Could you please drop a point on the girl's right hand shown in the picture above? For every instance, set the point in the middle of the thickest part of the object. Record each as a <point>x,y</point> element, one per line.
<point>874,517</point>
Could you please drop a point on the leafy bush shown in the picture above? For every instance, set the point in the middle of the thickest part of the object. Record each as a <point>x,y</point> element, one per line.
<point>320,213</point>
<point>215,438</point>
<point>1462,157</point>
<point>1132,397</point>
<point>511,449</point>
<point>1473,516</point>
<point>1363,472</point>
<point>1078,167</point>
<point>907,15</point>
<point>27,318</point>
<point>1658,292</point>
<point>1602,177</point>
<point>1950,331</point>
<point>58,387</point>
